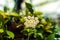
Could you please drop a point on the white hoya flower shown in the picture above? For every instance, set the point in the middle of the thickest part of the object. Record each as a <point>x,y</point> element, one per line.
<point>31,21</point>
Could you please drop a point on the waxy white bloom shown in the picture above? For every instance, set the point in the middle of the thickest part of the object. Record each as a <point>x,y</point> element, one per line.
<point>31,21</point>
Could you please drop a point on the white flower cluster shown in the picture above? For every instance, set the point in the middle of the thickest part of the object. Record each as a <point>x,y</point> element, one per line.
<point>31,21</point>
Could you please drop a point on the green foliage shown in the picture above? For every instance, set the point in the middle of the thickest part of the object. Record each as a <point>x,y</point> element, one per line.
<point>51,37</point>
<point>1,18</point>
<point>10,34</point>
<point>40,34</point>
<point>38,13</point>
<point>13,14</point>
<point>1,30</point>
<point>36,30</point>
<point>29,7</point>
<point>5,9</point>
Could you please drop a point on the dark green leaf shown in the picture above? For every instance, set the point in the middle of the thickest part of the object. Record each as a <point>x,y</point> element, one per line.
<point>1,18</point>
<point>29,7</point>
<point>5,9</point>
<point>51,37</point>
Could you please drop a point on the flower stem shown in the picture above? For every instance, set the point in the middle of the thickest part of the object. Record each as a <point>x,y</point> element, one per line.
<point>1,38</point>
<point>28,36</point>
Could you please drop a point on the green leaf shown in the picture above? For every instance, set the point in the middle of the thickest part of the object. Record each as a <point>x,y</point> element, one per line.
<point>10,34</point>
<point>40,34</point>
<point>1,30</point>
<point>29,7</point>
<point>1,18</point>
<point>5,8</point>
<point>38,13</point>
<point>49,31</point>
<point>57,28</point>
<point>13,14</point>
<point>51,37</point>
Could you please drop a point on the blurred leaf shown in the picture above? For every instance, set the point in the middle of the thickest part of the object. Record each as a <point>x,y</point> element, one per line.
<point>58,28</point>
<point>38,13</point>
<point>29,7</point>
<point>5,9</point>
<point>6,21</point>
<point>39,26</point>
<point>13,14</point>
<point>51,37</point>
<point>1,11</point>
<point>22,19</point>
<point>48,20</point>
<point>43,3</point>
<point>49,31</point>
<point>28,31</point>
<point>3,14</point>
<point>43,21</point>
<point>40,34</point>
<point>40,16</point>
<point>1,18</point>
<point>10,34</point>
<point>35,33</point>
<point>1,30</point>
